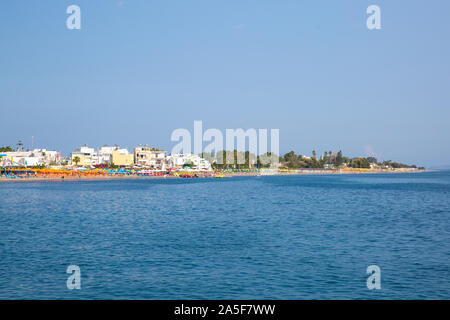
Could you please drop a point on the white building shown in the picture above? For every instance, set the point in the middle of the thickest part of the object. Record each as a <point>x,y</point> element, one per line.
<point>149,157</point>
<point>33,158</point>
<point>105,154</point>
<point>85,156</point>
<point>177,161</point>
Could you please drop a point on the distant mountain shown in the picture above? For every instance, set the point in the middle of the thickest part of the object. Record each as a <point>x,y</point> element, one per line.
<point>440,167</point>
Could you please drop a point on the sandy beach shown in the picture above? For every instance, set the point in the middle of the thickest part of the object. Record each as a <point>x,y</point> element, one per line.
<point>216,175</point>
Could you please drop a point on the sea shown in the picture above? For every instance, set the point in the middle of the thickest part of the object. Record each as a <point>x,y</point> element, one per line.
<point>268,237</point>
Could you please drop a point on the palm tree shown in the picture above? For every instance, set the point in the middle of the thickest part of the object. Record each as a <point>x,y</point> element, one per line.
<point>76,160</point>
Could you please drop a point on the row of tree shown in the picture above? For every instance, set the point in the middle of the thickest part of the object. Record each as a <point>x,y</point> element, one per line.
<point>292,160</point>
<point>239,160</point>
<point>244,160</point>
<point>336,160</point>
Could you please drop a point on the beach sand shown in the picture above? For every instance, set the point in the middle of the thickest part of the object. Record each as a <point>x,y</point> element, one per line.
<point>226,175</point>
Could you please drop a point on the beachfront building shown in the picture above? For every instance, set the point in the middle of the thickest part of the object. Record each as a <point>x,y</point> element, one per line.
<point>122,158</point>
<point>105,154</point>
<point>36,157</point>
<point>179,160</point>
<point>86,156</point>
<point>149,157</point>
<point>20,159</point>
<point>115,155</point>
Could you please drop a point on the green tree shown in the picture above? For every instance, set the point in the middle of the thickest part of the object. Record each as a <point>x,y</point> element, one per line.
<point>372,160</point>
<point>76,160</point>
<point>360,163</point>
<point>290,156</point>
<point>6,149</point>
<point>338,161</point>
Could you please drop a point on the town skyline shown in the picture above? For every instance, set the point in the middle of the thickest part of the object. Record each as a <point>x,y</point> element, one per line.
<point>367,153</point>
<point>156,158</point>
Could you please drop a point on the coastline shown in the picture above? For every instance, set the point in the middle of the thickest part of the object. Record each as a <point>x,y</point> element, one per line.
<point>222,175</point>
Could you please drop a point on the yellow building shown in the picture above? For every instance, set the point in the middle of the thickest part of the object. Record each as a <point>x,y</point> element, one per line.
<point>121,157</point>
<point>82,160</point>
<point>105,156</point>
<point>85,155</point>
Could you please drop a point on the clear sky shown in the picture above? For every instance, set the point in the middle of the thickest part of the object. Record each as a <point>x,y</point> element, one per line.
<point>138,69</point>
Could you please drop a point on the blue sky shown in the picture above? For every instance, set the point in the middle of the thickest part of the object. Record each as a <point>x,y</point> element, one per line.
<point>139,69</point>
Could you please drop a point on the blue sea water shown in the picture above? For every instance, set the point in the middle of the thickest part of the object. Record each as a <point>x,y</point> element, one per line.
<point>275,237</point>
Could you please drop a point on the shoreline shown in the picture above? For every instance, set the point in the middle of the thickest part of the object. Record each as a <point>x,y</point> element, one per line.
<point>222,175</point>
